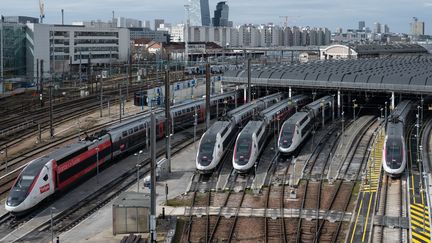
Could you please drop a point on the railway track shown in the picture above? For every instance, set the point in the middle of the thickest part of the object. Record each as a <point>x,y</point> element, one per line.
<point>71,217</point>
<point>275,229</point>
<point>337,196</point>
<point>63,112</point>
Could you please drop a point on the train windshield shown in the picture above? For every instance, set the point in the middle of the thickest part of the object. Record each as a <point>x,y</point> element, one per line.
<point>243,149</point>
<point>394,154</point>
<point>24,183</point>
<point>205,155</point>
<point>287,135</point>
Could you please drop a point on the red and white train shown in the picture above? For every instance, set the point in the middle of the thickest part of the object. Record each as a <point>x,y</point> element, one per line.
<point>64,166</point>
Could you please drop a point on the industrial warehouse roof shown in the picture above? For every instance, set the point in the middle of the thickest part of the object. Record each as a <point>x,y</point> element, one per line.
<point>388,48</point>
<point>408,74</point>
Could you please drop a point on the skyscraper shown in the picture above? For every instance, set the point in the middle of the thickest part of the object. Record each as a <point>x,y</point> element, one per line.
<point>221,14</point>
<point>377,28</point>
<point>199,12</point>
<point>362,25</point>
<point>417,27</point>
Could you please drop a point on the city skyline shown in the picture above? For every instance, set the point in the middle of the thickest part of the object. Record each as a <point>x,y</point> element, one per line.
<point>332,14</point>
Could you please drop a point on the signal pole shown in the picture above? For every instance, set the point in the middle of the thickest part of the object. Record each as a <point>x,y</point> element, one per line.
<point>207,96</point>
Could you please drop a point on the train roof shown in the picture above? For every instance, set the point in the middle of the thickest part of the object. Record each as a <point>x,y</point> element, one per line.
<point>317,103</point>
<point>272,110</point>
<point>245,108</point>
<point>217,127</point>
<point>69,149</point>
<point>395,130</point>
<point>401,110</point>
<point>296,117</point>
<point>251,127</point>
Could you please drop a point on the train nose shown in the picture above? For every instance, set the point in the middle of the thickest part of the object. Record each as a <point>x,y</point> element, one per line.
<point>15,198</point>
<point>205,160</point>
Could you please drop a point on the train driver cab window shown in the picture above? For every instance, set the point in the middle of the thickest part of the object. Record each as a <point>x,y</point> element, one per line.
<point>45,178</point>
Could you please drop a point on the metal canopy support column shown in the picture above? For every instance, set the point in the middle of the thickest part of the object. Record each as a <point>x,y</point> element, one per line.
<point>249,80</point>
<point>339,102</point>
<point>168,119</point>
<point>153,179</point>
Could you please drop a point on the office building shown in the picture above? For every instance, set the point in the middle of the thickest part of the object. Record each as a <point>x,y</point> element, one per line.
<point>417,27</point>
<point>63,47</point>
<point>14,49</point>
<point>123,22</point>
<point>147,24</point>
<point>221,15</point>
<point>20,19</point>
<point>157,23</point>
<point>199,12</point>
<point>377,28</point>
<point>156,35</point>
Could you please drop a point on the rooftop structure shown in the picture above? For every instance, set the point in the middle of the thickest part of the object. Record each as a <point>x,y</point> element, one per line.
<point>369,50</point>
<point>404,74</point>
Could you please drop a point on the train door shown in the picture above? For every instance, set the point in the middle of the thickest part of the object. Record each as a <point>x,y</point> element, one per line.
<point>202,113</point>
<point>161,129</point>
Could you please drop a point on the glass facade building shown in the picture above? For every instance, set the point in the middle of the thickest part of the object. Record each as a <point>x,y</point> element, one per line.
<point>13,45</point>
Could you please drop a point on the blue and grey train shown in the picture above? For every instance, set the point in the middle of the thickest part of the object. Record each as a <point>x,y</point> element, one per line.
<point>252,139</point>
<point>394,156</point>
<point>215,141</point>
<point>299,126</point>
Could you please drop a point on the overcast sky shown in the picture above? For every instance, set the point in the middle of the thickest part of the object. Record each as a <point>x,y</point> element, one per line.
<point>329,13</point>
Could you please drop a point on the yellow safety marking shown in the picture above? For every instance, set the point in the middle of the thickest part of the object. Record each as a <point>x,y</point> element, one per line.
<point>419,228</point>
<point>357,218</point>
<point>367,217</point>
<point>420,208</point>
<point>420,214</point>
<point>416,241</point>
<point>420,236</point>
<point>419,222</point>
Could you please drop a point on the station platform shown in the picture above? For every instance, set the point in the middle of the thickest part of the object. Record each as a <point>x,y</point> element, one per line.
<point>339,160</point>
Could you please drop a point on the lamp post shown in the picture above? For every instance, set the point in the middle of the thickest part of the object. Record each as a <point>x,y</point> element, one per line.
<point>385,114</point>
<point>138,167</point>
<point>52,223</point>
<point>381,112</point>
<point>343,121</point>
<point>354,108</point>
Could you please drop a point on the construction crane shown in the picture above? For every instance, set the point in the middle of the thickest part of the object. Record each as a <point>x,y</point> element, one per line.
<point>286,19</point>
<point>42,10</point>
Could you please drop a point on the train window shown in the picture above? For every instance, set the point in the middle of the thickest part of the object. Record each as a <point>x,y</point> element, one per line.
<point>130,131</point>
<point>141,126</point>
<point>124,133</point>
<point>136,129</point>
<point>45,178</point>
<point>188,110</point>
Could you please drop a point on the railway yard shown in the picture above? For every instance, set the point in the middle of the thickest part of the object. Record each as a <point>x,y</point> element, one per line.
<point>332,188</point>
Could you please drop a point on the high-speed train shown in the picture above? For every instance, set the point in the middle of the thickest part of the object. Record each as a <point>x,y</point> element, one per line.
<point>215,141</point>
<point>252,139</point>
<point>299,126</point>
<point>64,166</point>
<point>394,156</point>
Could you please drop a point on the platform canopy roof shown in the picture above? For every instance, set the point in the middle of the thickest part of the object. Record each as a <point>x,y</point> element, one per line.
<point>405,74</point>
